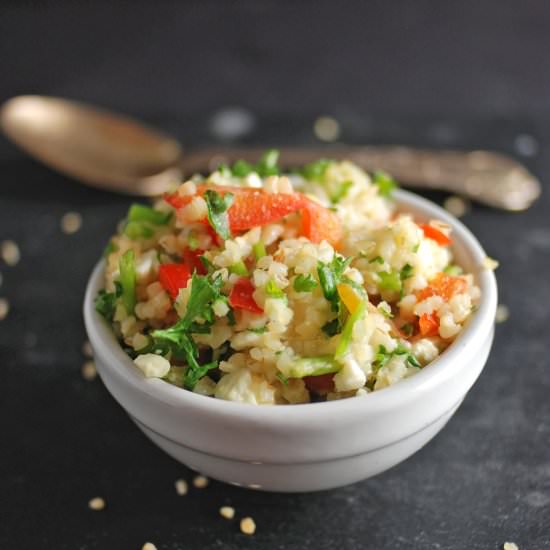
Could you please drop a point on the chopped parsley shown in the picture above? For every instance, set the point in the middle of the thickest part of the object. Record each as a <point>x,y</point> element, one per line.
<point>347,331</point>
<point>315,171</point>
<point>266,166</point>
<point>283,379</point>
<point>386,184</point>
<point>218,206</point>
<point>330,275</point>
<point>340,193</point>
<point>383,356</point>
<point>258,330</point>
<point>141,213</point>
<point>453,270</point>
<point>105,302</point>
<point>127,281</point>
<point>259,250</point>
<point>239,268</point>
<point>273,291</point>
<point>304,283</point>
<point>332,327</point>
<point>204,293</point>
<point>138,230</point>
<point>377,260</point>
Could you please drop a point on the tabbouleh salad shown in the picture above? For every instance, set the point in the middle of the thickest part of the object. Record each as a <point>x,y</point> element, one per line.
<point>266,288</point>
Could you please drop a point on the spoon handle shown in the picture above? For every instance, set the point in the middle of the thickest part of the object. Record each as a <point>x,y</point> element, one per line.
<point>486,177</point>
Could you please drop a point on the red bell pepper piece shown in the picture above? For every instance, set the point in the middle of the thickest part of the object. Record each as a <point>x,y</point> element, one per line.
<point>321,384</point>
<point>173,277</point>
<point>320,223</point>
<point>442,285</point>
<point>241,296</point>
<point>428,324</point>
<point>191,259</point>
<point>434,234</point>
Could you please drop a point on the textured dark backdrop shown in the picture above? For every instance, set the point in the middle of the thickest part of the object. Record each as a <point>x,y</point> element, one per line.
<point>464,74</point>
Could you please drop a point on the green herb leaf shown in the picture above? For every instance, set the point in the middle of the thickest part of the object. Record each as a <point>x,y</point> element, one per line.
<point>332,327</point>
<point>330,275</point>
<point>347,332</point>
<point>390,280</point>
<point>259,330</point>
<point>142,213</point>
<point>138,230</point>
<point>105,304</point>
<point>311,366</point>
<point>383,356</point>
<point>341,192</point>
<point>267,165</point>
<point>304,283</point>
<point>239,268</point>
<point>273,291</point>
<point>315,171</point>
<point>378,260</point>
<point>386,184</point>
<point>282,378</point>
<point>109,249</point>
<point>127,280</point>
<point>453,270</point>
<point>259,250</point>
<point>241,168</point>
<point>217,212</point>
<point>406,272</point>
<point>407,329</point>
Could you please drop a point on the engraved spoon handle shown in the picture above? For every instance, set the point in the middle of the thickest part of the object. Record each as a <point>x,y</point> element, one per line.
<point>486,177</point>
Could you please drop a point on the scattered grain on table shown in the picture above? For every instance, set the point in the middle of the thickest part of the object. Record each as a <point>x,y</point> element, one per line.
<point>181,487</point>
<point>502,313</point>
<point>4,308</point>
<point>457,206</point>
<point>10,252</point>
<point>227,512</point>
<point>71,222</point>
<point>248,526</point>
<point>96,504</point>
<point>89,371</point>
<point>87,350</point>
<point>326,128</point>
<point>200,482</point>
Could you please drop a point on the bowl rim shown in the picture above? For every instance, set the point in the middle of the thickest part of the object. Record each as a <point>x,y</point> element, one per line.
<point>442,368</point>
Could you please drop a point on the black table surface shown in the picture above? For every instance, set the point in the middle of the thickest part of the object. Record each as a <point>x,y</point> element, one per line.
<point>485,479</point>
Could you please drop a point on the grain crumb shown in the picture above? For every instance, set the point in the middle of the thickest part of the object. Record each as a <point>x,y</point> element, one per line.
<point>96,503</point>
<point>490,263</point>
<point>10,252</point>
<point>148,546</point>
<point>510,546</point>
<point>200,482</point>
<point>88,371</point>
<point>502,313</point>
<point>457,206</point>
<point>227,512</point>
<point>87,350</point>
<point>248,526</point>
<point>71,222</point>
<point>326,128</point>
<point>4,308</point>
<point>181,487</point>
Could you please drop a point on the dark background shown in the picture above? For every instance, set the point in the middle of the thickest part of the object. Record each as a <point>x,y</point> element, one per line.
<point>464,74</point>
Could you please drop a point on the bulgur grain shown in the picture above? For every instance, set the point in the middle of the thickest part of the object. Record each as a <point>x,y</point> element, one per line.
<point>4,308</point>
<point>457,206</point>
<point>88,371</point>
<point>148,546</point>
<point>326,128</point>
<point>181,487</point>
<point>96,504</point>
<point>87,350</point>
<point>502,313</point>
<point>10,252</point>
<point>248,526</point>
<point>227,512</point>
<point>71,222</point>
<point>490,263</point>
<point>200,482</point>
<point>510,546</point>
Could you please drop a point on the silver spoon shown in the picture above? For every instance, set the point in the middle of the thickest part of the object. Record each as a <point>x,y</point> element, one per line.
<point>117,153</point>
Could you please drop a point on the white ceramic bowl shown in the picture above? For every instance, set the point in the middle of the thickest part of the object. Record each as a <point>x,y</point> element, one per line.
<point>313,446</point>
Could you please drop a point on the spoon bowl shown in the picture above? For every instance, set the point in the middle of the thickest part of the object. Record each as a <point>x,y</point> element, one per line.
<point>94,146</point>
